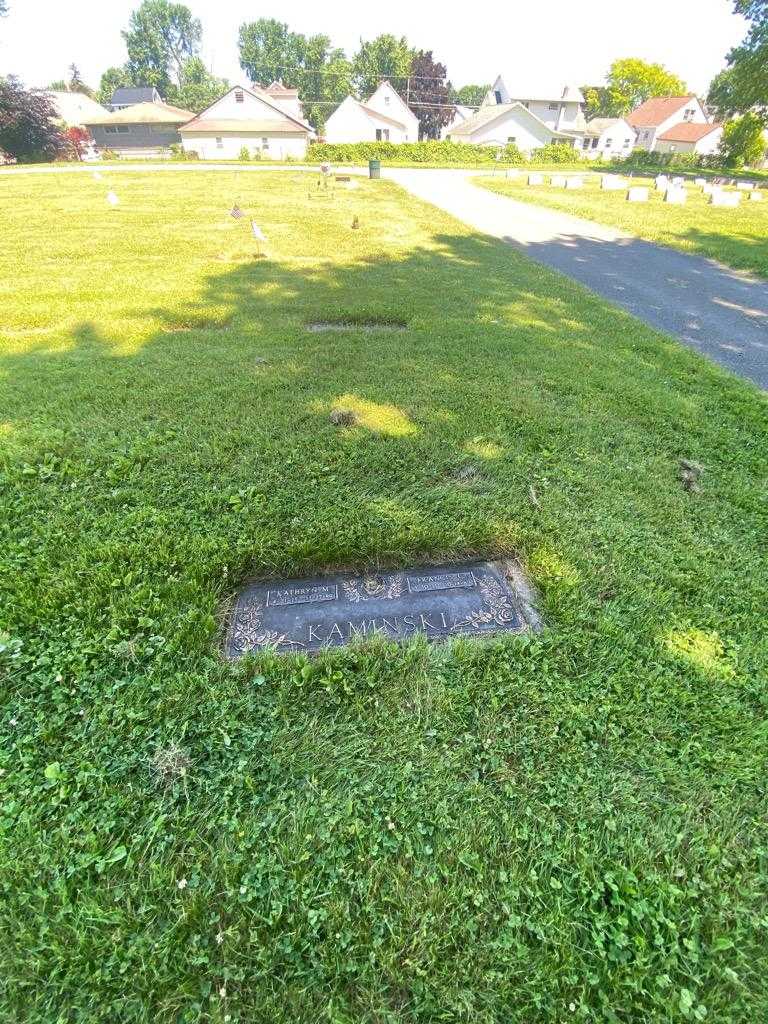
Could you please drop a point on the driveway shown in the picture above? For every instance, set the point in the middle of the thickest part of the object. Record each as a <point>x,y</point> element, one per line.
<point>722,313</point>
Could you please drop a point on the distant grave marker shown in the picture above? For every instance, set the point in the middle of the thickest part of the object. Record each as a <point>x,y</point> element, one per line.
<point>720,198</point>
<point>535,179</point>
<point>676,196</point>
<point>637,194</point>
<point>574,182</point>
<point>439,602</point>
<point>557,181</point>
<point>745,186</point>
<point>612,183</point>
<point>699,182</point>
<point>755,197</point>
<point>662,183</point>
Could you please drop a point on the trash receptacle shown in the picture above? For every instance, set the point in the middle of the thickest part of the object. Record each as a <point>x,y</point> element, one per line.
<point>374,168</point>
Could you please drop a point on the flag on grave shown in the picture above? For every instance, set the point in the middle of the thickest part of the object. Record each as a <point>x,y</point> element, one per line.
<point>236,212</point>
<point>258,234</point>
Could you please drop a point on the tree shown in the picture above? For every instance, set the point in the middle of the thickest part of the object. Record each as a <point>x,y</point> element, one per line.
<point>384,57</point>
<point>160,37</point>
<point>113,78</point>
<point>270,51</point>
<point>429,95</point>
<point>742,143</point>
<point>76,84</point>
<point>743,85</point>
<point>198,88</point>
<point>598,101</point>
<point>632,81</point>
<point>78,140</point>
<point>28,128</point>
<point>471,95</point>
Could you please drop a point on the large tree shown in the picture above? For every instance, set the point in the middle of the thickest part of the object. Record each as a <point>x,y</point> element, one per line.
<point>597,101</point>
<point>198,88</point>
<point>270,51</point>
<point>471,95</point>
<point>76,83</point>
<point>743,143</point>
<point>380,58</point>
<point>631,81</point>
<point>743,85</point>
<point>160,37</point>
<point>429,95</point>
<point>28,128</point>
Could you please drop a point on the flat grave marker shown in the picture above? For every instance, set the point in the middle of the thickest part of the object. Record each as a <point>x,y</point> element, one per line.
<point>675,195</point>
<point>755,197</point>
<point>613,183</point>
<point>439,601</point>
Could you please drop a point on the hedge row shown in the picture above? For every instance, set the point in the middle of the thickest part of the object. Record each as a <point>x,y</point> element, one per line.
<point>443,152</point>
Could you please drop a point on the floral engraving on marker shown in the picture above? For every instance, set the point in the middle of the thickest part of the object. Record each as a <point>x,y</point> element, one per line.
<point>386,588</point>
<point>497,608</point>
<point>248,632</point>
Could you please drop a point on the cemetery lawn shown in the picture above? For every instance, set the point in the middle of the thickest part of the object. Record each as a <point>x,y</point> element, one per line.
<point>737,237</point>
<point>570,826</point>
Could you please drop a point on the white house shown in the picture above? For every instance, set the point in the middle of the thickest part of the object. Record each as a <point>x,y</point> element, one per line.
<point>656,116</point>
<point>74,108</point>
<point>460,115</point>
<point>249,118</point>
<point>686,137</point>
<point>383,117</point>
<point>608,137</point>
<point>561,110</point>
<point>143,130</point>
<point>505,124</point>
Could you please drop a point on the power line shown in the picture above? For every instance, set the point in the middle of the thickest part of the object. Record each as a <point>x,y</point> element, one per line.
<point>344,74</point>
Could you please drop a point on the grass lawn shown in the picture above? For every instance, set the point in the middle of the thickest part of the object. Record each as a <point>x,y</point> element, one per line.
<point>564,827</point>
<point>737,237</point>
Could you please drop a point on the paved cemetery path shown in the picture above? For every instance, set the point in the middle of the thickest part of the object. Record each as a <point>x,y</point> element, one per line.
<point>720,312</point>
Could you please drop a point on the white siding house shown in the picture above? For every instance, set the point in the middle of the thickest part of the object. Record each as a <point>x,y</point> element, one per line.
<point>508,124</point>
<point>460,115</point>
<point>249,118</point>
<point>383,117</point>
<point>656,116</point>
<point>690,138</point>
<point>560,110</point>
<point>608,137</point>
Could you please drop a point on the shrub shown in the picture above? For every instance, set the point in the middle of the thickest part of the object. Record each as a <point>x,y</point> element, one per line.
<point>109,154</point>
<point>191,154</point>
<point>556,153</point>
<point>428,152</point>
<point>743,143</point>
<point>28,127</point>
<point>244,154</point>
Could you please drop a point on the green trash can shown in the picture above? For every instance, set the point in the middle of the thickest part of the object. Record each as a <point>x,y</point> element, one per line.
<point>374,168</point>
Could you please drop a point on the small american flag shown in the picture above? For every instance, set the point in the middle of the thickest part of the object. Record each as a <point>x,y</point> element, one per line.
<point>236,212</point>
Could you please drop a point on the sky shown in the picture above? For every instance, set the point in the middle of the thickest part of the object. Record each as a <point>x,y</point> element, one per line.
<point>532,45</point>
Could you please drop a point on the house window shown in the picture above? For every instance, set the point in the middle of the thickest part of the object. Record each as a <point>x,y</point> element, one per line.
<point>497,94</point>
<point>609,142</point>
<point>239,96</point>
<point>595,143</point>
<point>672,149</point>
<point>511,140</point>
<point>386,101</point>
<point>219,142</point>
<point>382,134</point>
<point>265,143</point>
<point>554,106</point>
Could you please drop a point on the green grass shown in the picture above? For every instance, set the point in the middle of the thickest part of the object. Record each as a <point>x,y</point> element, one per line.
<point>565,827</point>
<point>737,237</point>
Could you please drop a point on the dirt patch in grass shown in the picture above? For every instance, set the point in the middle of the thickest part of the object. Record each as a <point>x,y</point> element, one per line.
<point>369,325</point>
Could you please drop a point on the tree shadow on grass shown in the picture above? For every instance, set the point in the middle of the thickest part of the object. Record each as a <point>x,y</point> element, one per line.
<point>204,451</point>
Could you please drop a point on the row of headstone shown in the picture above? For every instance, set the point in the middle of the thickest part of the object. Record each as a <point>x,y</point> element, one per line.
<point>557,180</point>
<point>613,183</point>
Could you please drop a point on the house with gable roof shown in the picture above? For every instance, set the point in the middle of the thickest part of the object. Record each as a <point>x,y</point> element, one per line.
<point>652,119</point>
<point>268,122</point>
<point>383,117</point>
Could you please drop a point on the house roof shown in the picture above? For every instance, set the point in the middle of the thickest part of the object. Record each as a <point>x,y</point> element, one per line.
<point>235,124</point>
<point>260,94</point>
<point>687,132</point>
<point>600,124</point>
<point>485,115</point>
<point>130,94</point>
<point>278,89</point>
<point>73,108</point>
<point>656,111</point>
<point>380,117</point>
<point>143,113</point>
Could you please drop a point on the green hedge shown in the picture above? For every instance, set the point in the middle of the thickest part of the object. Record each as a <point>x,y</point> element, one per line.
<point>443,152</point>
